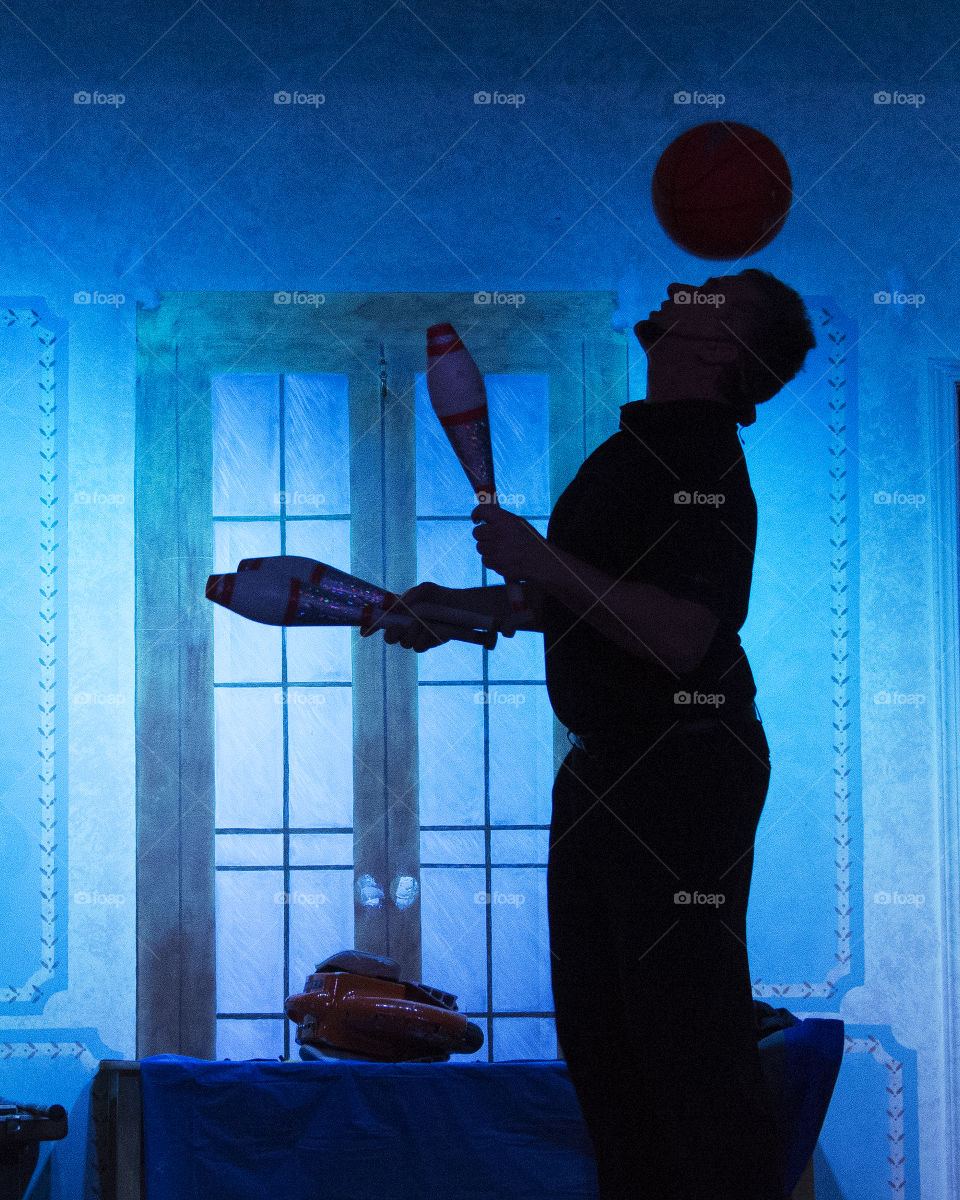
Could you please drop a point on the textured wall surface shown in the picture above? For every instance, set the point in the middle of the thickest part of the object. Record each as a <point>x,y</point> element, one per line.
<point>502,147</point>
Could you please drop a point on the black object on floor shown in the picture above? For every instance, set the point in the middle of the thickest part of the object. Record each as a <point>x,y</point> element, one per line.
<point>22,1128</point>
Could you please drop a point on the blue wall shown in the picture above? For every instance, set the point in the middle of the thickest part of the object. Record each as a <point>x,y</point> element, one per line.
<point>400,181</point>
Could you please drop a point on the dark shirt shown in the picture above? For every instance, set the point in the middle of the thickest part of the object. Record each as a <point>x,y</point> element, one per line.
<point>622,514</point>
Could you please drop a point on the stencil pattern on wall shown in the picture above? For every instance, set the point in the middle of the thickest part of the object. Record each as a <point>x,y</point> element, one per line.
<point>32,358</point>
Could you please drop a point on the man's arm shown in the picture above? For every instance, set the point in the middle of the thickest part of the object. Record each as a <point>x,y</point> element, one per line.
<point>641,618</point>
<point>487,601</point>
<point>494,602</point>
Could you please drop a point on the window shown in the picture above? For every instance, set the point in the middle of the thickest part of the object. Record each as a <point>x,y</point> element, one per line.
<point>329,791</point>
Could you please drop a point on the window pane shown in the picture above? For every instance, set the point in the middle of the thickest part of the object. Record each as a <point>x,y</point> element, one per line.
<point>451,846</point>
<point>321,849</point>
<point>519,433</point>
<point>246,445</point>
<point>521,945</point>
<point>321,920</point>
<point>244,651</point>
<point>248,758</point>
<point>524,1038</point>
<point>453,912</point>
<point>320,739</point>
<point>519,845</point>
<point>249,941</point>
<point>521,754</point>
<point>442,486</point>
<point>239,1040</point>
<point>447,554</point>
<point>249,850</point>
<point>317,446</point>
<point>519,408</point>
<point>315,653</point>
<point>451,756</point>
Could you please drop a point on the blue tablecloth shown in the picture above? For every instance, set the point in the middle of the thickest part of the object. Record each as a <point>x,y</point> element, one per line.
<point>412,1131</point>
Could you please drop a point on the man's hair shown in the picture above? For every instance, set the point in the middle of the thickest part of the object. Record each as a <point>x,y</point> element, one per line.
<point>778,339</point>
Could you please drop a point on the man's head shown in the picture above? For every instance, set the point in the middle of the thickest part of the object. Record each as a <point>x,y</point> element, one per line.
<point>736,338</point>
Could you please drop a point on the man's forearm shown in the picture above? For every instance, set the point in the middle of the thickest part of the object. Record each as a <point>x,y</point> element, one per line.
<point>493,602</point>
<point>641,618</point>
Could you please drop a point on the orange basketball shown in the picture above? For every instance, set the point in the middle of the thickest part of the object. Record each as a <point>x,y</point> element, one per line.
<point>721,190</point>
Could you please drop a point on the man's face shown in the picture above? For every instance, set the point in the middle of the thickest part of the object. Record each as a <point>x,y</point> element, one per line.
<point>709,320</point>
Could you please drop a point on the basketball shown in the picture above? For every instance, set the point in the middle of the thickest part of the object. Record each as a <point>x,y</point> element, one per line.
<point>721,190</point>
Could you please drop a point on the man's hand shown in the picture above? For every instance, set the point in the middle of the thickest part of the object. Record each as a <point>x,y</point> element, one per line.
<point>418,636</point>
<point>508,544</point>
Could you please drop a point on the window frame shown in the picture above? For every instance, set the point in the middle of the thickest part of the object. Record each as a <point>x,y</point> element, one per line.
<point>377,341</point>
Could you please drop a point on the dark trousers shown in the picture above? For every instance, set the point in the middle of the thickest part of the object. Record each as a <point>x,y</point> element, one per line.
<point>651,853</point>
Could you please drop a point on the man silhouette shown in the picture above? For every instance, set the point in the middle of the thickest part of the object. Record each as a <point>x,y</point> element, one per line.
<point>640,588</point>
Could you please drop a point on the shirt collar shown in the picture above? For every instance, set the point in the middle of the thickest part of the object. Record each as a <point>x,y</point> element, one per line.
<point>641,417</point>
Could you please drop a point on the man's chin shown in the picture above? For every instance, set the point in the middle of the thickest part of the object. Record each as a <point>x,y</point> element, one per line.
<point>648,332</point>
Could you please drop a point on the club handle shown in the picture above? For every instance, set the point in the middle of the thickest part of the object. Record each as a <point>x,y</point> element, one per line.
<point>455,616</point>
<point>459,633</point>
